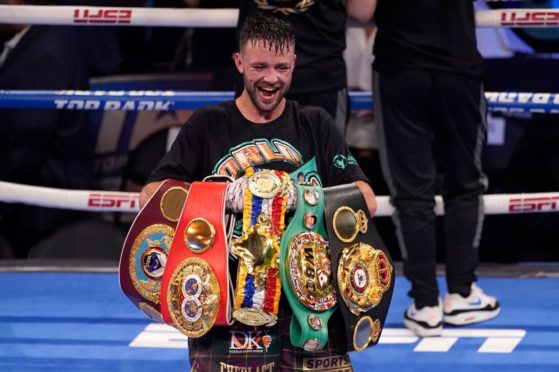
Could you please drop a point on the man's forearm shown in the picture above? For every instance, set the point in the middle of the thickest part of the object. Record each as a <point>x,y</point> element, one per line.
<point>369,196</point>
<point>147,191</point>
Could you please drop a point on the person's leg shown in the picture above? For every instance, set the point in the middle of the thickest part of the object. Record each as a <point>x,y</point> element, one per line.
<point>402,117</point>
<point>460,134</point>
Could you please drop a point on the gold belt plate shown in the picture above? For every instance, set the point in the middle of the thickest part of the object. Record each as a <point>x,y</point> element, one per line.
<point>194,296</point>
<point>310,269</point>
<point>364,274</point>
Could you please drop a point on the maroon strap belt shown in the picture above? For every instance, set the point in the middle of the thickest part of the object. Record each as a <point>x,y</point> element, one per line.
<point>147,246</point>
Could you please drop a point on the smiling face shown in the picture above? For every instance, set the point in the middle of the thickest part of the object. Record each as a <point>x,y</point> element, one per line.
<point>267,74</point>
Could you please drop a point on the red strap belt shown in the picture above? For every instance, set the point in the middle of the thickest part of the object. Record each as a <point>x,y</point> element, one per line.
<point>195,288</point>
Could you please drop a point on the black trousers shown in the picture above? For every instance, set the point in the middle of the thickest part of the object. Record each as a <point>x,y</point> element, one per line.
<point>421,114</point>
<point>336,103</point>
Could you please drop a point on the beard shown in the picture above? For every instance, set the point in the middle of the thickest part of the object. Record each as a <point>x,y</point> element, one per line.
<point>264,96</point>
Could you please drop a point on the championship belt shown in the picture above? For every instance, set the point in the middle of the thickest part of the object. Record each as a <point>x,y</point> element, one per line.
<point>306,274</point>
<point>147,246</point>
<point>195,292</point>
<point>363,272</point>
<point>258,287</point>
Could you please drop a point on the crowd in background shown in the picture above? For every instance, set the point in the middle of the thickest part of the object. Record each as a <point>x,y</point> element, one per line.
<point>526,162</point>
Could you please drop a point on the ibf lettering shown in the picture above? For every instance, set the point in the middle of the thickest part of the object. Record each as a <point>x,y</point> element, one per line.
<point>530,18</point>
<point>549,203</point>
<point>100,200</point>
<point>102,16</point>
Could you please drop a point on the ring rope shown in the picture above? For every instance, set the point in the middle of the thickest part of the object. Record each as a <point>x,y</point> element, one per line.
<point>81,200</point>
<point>116,201</point>
<point>215,18</point>
<point>173,100</point>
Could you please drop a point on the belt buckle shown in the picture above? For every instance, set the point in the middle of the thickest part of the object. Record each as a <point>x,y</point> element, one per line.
<point>254,317</point>
<point>266,184</point>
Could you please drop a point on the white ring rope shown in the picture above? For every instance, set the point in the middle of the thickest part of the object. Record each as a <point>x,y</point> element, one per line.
<point>118,16</point>
<point>81,200</point>
<point>114,201</point>
<point>214,18</point>
<point>518,18</point>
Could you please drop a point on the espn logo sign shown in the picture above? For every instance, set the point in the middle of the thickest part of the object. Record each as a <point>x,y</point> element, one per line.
<point>102,16</point>
<point>549,203</point>
<point>110,201</point>
<point>530,18</point>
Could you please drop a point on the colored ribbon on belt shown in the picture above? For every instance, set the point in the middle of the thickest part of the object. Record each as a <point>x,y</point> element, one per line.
<point>147,246</point>
<point>363,271</point>
<point>258,287</point>
<point>195,292</point>
<point>306,271</point>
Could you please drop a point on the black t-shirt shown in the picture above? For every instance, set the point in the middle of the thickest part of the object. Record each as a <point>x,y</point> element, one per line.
<point>426,34</point>
<point>320,40</point>
<point>219,140</point>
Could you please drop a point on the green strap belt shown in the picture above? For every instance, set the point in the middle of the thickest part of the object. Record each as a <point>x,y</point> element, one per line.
<point>306,272</point>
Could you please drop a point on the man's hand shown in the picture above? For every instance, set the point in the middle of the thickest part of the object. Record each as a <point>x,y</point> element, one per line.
<point>369,196</point>
<point>147,191</point>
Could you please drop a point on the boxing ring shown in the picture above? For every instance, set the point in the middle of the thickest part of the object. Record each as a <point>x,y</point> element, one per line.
<point>80,320</point>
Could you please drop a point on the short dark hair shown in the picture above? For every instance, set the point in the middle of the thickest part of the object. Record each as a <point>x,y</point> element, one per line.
<point>275,32</point>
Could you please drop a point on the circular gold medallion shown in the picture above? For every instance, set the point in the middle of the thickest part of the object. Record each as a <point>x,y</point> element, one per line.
<point>193,297</point>
<point>148,257</point>
<point>363,333</point>
<point>364,274</point>
<point>347,223</point>
<point>264,184</point>
<point>172,202</point>
<point>310,271</point>
<point>199,235</point>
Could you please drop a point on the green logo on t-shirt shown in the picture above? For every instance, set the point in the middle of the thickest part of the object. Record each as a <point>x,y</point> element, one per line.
<point>257,152</point>
<point>341,161</point>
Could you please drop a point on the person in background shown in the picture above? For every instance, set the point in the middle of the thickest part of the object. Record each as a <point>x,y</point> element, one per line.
<point>361,133</point>
<point>261,114</point>
<point>320,76</point>
<point>50,148</point>
<point>430,110</point>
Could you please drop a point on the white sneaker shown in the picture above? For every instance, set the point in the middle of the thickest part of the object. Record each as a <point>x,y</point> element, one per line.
<point>477,307</point>
<point>426,322</point>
